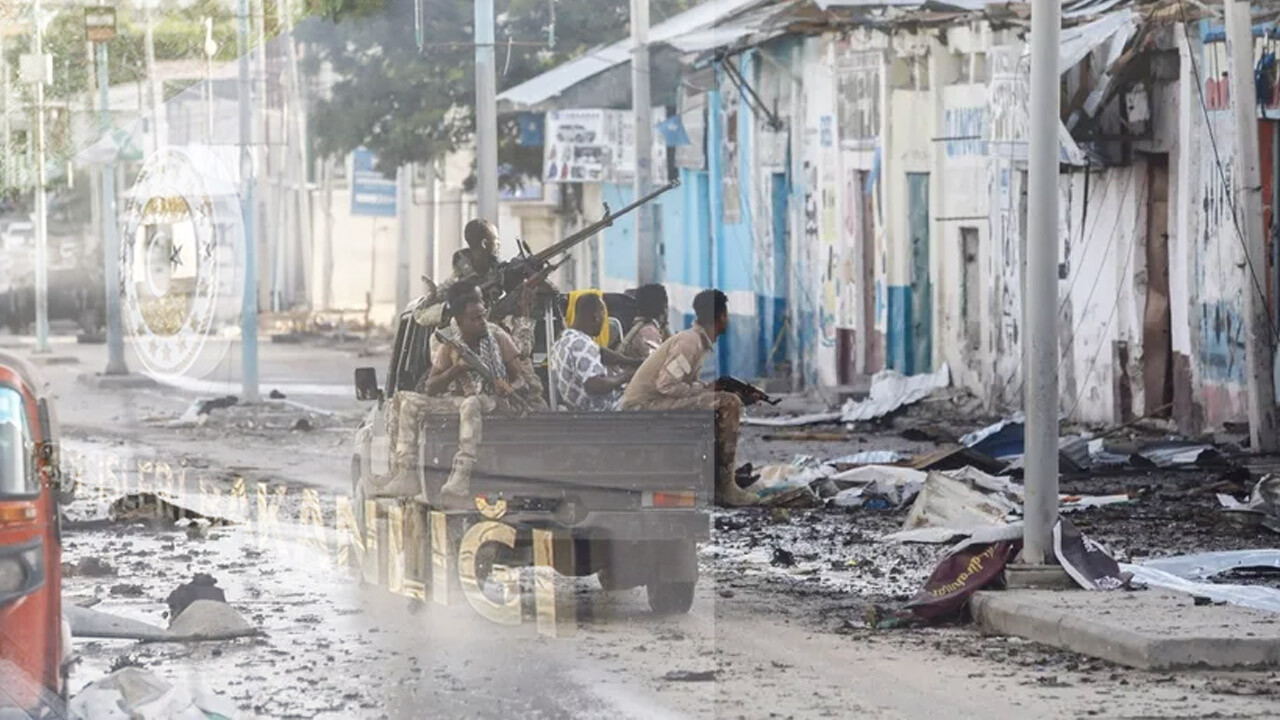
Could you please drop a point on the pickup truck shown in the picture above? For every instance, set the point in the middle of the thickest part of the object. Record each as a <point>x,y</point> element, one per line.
<point>627,492</point>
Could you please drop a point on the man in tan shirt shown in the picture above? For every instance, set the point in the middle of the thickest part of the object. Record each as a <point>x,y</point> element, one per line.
<point>668,380</point>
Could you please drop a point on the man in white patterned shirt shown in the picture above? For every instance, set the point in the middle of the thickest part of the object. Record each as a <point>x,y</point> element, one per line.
<point>580,378</point>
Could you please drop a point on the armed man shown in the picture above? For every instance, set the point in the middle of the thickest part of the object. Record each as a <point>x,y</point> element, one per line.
<point>474,370</point>
<point>669,380</point>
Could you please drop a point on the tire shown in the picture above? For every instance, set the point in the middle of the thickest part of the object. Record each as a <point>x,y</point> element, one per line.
<point>670,598</point>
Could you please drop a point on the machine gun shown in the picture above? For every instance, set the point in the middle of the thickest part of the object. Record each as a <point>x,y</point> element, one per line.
<point>748,393</point>
<point>529,269</point>
<point>476,364</point>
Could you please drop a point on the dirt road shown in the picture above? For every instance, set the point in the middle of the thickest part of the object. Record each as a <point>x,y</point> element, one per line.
<point>763,639</point>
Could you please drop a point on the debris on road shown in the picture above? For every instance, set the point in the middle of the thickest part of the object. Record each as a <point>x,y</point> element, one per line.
<point>88,567</point>
<point>203,586</point>
<point>897,485</point>
<point>149,506</point>
<point>210,620</point>
<point>792,420</point>
<point>891,390</point>
<point>964,500</point>
<point>88,623</point>
<point>276,395</point>
<point>690,676</point>
<point>959,576</point>
<point>134,693</point>
<point>1091,565</point>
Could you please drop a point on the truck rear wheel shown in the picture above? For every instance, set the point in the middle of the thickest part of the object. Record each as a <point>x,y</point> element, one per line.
<point>673,598</point>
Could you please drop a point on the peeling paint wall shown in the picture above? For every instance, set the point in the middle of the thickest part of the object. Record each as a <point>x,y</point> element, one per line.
<point>1219,277</point>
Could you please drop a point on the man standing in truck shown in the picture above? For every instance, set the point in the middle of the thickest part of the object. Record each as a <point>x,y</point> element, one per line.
<point>453,385</point>
<point>669,380</point>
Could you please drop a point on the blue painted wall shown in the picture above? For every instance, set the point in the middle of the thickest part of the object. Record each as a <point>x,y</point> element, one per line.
<point>900,355</point>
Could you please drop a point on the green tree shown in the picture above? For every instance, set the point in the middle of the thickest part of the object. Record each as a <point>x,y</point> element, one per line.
<point>411,106</point>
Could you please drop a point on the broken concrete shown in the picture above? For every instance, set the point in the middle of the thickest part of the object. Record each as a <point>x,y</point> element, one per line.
<point>1152,630</point>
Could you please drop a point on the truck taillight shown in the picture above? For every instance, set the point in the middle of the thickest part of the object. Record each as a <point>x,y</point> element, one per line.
<point>17,513</point>
<point>678,499</point>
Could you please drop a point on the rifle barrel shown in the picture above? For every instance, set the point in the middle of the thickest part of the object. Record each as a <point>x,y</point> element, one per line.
<point>601,224</point>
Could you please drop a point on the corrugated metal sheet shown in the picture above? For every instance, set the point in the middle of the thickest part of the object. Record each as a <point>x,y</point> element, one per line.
<point>555,81</point>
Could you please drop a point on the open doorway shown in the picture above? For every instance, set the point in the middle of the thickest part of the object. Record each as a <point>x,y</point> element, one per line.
<point>1157,336</point>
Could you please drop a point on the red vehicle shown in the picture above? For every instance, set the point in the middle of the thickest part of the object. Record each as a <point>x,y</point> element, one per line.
<point>31,630</point>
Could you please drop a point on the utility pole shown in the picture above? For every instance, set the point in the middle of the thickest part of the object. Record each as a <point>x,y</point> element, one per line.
<point>646,243</point>
<point>249,302</point>
<point>1041,506</point>
<point>41,63</point>
<point>1248,211</point>
<point>486,114</point>
<point>404,205</point>
<point>110,241</point>
<point>298,112</point>
<point>158,124</point>
<point>6,147</point>
<point>210,49</point>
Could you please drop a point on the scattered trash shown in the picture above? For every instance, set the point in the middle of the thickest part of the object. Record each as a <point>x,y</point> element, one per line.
<point>204,407</point>
<point>690,676</point>
<point>203,586</point>
<point>964,500</point>
<point>1069,503</point>
<point>897,485</point>
<point>88,623</point>
<point>303,425</point>
<point>127,590</point>
<point>210,620</point>
<point>959,576</point>
<point>202,620</point>
<point>276,395</point>
<point>870,457</point>
<point>143,506</point>
<point>808,437</point>
<point>1087,562</point>
<point>954,457</point>
<point>88,567</point>
<point>891,390</point>
<point>134,693</point>
<point>792,420</point>
<point>1004,440</point>
<point>1264,502</point>
<point>783,557</point>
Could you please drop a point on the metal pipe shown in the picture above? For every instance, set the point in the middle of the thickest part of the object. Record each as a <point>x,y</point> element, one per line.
<point>249,301</point>
<point>1041,506</point>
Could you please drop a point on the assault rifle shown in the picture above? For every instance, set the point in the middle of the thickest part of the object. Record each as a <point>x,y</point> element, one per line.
<point>748,393</point>
<point>476,364</point>
<point>529,269</point>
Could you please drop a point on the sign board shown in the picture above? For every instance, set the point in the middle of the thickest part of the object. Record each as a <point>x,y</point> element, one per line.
<point>99,24</point>
<point>372,194</point>
<point>594,145</point>
<point>35,68</point>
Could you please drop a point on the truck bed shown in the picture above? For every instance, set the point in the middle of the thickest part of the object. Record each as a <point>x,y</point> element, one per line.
<point>606,459</point>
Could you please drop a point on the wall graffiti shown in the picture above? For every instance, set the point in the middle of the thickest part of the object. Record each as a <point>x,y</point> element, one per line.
<point>1222,349</point>
<point>966,130</point>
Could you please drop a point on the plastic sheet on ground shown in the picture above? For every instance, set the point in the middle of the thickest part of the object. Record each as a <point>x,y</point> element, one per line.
<point>897,485</point>
<point>134,693</point>
<point>201,620</point>
<point>964,500</point>
<point>792,420</point>
<point>1202,566</point>
<point>1252,596</point>
<point>891,390</point>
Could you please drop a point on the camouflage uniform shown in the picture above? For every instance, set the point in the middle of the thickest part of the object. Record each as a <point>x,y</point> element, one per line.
<point>643,338</point>
<point>668,380</point>
<point>468,396</point>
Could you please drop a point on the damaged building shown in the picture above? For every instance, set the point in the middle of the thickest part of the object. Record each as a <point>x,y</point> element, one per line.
<point>854,176</point>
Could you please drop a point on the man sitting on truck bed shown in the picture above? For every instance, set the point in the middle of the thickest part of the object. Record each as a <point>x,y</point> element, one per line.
<point>453,386</point>
<point>668,380</point>
<point>649,329</point>
<point>580,378</point>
